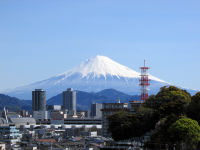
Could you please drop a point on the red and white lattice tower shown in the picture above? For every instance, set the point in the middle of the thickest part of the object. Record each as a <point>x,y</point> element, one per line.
<point>144,82</point>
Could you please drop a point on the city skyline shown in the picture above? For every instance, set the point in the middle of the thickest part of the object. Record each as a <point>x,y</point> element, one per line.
<point>42,39</point>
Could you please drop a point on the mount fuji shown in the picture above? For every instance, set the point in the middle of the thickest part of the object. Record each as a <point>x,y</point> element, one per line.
<point>93,75</point>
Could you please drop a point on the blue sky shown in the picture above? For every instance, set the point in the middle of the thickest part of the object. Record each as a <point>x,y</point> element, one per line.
<point>40,39</point>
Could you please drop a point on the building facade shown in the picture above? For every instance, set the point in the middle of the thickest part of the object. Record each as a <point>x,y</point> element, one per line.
<point>109,109</point>
<point>9,134</point>
<point>53,107</point>
<point>69,101</point>
<point>57,116</point>
<point>38,100</point>
<point>41,115</point>
<point>134,105</point>
<point>96,110</point>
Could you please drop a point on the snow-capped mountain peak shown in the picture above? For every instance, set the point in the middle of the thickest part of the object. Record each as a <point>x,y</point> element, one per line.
<point>102,66</point>
<point>98,66</point>
<point>93,75</point>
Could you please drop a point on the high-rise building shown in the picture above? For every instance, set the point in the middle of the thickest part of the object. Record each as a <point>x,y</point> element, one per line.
<point>96,110</point>
<point>109,109</point>
<point>69,101</point>
<point>38,100</point>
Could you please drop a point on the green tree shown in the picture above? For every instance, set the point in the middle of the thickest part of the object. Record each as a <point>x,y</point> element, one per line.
<point>160,135</point>
<point>120,125</point>
<point>169,105</point>
<point>194,107</point>
<point>169,100</point>
<point>160,110</point>
<point>123,125</point>
<point>147,118</point>
<point>172,100</point>
<point>169,93</point>
<point>185,131</point>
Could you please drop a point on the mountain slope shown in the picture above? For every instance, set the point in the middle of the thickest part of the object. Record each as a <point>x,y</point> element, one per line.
<point>85,99</point>
<point>113,94</point>
<point>93,75</point>
<point>14,104</point>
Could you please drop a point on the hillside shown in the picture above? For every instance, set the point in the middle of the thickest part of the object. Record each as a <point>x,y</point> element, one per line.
<point>84,99</point>
<point>14,104</point>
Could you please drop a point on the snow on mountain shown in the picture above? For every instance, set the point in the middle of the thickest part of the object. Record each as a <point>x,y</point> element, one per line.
<point>93,75</point>
<point>102,66</point>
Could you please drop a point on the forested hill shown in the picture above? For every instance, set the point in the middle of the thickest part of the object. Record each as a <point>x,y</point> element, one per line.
<point>14,104</point>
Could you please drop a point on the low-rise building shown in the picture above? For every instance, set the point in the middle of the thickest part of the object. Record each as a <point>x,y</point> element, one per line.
<point>83,114</point>
<point>80,121</point>
<point>53,107</point>
<point>41,115</point>
<point>9,134</point>
<point>134,105</point>
<point>57,117</point>
<point>22,121</point>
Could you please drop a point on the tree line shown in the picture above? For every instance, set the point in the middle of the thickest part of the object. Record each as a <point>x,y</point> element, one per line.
<point>171,117</point>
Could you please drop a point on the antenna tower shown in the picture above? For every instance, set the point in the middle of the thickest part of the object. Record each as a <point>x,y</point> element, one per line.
<point>144,82</point>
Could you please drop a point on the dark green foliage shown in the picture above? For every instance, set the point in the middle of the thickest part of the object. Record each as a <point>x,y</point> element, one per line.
<point>177,107</point>
<point>169,104</point>
<point>172,100</point>
<point>194,107</point>
<point>120,125</point>
<point>147,119</point>
<point>158,113</point>
<point>123,125</point>
<point>152,102</point>
<point>166,93</point>
<point>185,131</point>
<point>161,134</point>
<point>178,132</point>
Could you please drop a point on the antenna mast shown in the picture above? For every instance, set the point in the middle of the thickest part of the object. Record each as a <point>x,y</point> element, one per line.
<point>144,82</point>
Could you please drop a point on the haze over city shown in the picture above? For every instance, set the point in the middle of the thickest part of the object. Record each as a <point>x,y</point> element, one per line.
<point>40,39</point>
